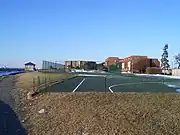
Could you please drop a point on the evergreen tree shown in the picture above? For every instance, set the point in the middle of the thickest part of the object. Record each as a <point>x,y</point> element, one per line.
<point>164,58</point>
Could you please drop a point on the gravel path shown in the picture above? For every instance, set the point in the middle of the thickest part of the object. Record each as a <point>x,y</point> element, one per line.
<point>9,102</point>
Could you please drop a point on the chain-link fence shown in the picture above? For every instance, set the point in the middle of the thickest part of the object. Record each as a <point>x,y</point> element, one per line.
<point>45,81</point>
<point>110,82</point>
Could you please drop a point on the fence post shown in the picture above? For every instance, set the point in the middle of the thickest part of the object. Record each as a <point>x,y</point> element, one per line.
<point>38,82</point>
<point>34,83</point>
<point>163,79</point>
<point>45,84</point>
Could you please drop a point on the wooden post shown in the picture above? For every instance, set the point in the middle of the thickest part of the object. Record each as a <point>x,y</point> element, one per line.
<point>34,83</point>
<point>38,82</point>
<point>45,84</point>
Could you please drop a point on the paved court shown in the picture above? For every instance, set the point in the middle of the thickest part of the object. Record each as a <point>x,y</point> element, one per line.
<point>115,83</point>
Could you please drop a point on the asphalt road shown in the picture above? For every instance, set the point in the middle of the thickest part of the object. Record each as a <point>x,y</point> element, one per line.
<point>9,122</point>
<point>111,83</point>
<point>9,101</point>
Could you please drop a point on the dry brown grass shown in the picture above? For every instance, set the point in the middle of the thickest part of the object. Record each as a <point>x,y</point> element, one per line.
<point>99,113</point>
<point>104,114</point>
<point>1,78</point>
<point>25,80</point>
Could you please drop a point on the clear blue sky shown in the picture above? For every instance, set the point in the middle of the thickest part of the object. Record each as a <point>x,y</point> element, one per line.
<point>36,30</point>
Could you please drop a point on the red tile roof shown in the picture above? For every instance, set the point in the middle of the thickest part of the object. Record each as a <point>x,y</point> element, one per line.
<point>121,60</point>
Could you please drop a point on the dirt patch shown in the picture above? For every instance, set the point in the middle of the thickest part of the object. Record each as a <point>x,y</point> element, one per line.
<point>103,114</point>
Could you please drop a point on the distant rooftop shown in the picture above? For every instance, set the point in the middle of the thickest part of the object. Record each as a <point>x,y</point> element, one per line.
<point>30,63</point>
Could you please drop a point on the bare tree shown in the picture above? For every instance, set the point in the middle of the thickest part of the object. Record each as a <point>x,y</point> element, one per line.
<point>177,60</point>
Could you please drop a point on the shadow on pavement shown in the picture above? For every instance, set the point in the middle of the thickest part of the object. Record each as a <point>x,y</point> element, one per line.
<point>9,122</point>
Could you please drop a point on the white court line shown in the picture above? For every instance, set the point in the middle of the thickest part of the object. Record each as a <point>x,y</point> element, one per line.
<point>91,75</point>
<point>78,85</point>
<point>110,90</point>
<point>110,87</point>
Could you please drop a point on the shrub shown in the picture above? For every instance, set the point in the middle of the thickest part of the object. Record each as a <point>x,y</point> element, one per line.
<point>153,70</point>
